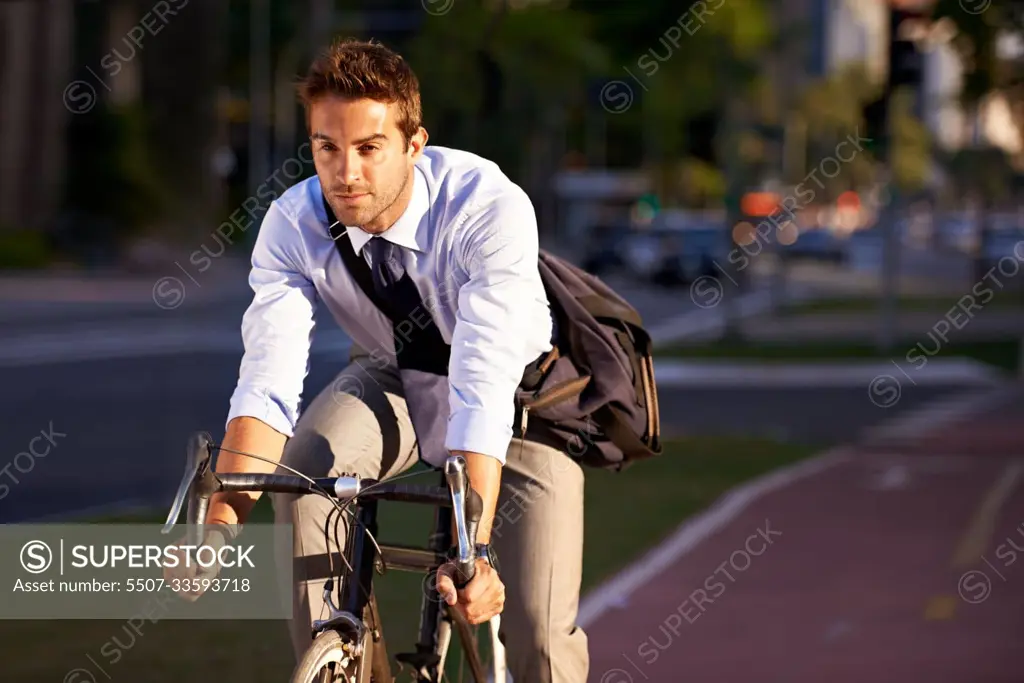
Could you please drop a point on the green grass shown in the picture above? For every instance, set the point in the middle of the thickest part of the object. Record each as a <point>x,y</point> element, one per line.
<point>1003,354</point>
<point>939,305</point>
<point>626,514</point>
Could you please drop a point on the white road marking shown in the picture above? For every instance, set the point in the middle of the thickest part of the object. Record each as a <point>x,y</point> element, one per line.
<point>679,373</point>
<point>893,478</point>
<point>938,413</point>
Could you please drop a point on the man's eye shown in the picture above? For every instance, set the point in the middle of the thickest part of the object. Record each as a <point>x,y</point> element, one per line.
<point>327,147</point>
<point>368,149</point>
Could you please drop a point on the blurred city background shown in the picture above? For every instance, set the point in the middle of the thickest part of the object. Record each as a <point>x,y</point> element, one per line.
<point>816,205</point>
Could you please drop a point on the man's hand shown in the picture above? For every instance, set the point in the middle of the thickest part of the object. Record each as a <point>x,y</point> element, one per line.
<point>481,599</point>
<point>191,581</point>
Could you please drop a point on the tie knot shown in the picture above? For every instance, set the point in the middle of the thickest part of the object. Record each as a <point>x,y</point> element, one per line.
<point>384,258</point>
<point>381,251</point>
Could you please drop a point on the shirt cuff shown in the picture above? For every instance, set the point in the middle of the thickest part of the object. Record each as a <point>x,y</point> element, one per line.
<point>479,431</point>
<point>259,404</point>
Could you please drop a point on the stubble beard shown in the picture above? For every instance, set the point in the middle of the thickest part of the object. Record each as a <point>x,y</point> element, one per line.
<point>366,216</point>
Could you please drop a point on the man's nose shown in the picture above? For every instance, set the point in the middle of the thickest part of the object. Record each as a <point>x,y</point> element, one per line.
<point>349,169</point>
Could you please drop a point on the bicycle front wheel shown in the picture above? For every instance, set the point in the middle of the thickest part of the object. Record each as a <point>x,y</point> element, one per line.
<point>329,659</point>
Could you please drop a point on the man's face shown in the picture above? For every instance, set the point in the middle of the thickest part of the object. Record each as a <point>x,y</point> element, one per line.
<point>362,160</point>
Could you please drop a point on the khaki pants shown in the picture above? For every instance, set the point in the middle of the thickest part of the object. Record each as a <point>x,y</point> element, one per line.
<point>360,424</point>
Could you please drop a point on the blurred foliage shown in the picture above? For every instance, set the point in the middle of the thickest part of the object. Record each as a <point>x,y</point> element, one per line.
<point>488,76</point>
<point>984,173</point>
<point>23,248</point>
<point>976,42</point>
<point>713,84</point>
<point>546,57</point>
<point>911,145</point>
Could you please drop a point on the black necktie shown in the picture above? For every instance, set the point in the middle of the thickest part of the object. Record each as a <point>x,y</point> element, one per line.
<point>421,350</point>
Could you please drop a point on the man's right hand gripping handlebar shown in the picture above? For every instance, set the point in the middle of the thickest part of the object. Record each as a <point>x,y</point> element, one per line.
<point>214,518</point>
<point>467,582</point>
<point>187,577</point>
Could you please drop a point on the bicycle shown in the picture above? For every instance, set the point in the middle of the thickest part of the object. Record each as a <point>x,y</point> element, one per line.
<point>348,646</point>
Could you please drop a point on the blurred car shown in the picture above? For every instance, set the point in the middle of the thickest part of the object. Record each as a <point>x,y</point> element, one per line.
<point>661,253</point>
<point>818,244</point>
<point>1004,243</point>
<point>693,253</point>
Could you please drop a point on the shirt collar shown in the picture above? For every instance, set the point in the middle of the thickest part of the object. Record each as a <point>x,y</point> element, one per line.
<point>409,230</point>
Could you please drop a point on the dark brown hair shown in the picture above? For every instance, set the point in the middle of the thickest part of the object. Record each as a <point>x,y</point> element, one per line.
<point>365,69</point>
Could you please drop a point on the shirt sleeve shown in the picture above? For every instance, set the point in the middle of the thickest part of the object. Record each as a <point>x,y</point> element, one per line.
<point>503,322</point>
<point>277,327</point>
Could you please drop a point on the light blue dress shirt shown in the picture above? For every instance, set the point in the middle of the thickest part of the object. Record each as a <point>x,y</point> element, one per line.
<point>470,246</point>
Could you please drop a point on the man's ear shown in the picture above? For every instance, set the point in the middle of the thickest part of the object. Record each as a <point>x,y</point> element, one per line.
<point>417,142</point>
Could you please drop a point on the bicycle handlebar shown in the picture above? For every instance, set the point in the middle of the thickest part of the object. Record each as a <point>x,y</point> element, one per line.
<point>200,482</point>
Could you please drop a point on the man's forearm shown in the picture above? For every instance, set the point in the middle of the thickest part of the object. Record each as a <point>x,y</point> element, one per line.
<point>485,478</point>
<point>248,435</point>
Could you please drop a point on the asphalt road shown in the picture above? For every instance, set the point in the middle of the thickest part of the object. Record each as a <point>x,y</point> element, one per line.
<point>114,430</point>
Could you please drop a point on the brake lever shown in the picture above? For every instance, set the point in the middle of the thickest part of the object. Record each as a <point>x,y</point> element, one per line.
<point>467,508</point>
<point>197,462</point>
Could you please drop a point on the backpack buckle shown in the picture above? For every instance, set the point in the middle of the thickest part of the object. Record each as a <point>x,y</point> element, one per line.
<point>519,423</point>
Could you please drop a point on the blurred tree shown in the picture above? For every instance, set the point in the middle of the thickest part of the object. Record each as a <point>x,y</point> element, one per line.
<point>987,73</point>
<point>183,68</point>
<point>834,109</point>
<point>984,171</point>
<point>988,70</point>
<point>494,77</point>
<point>489,73</point>
<point>911,145</point>
<point>502,82</point>
<point>35,70</point>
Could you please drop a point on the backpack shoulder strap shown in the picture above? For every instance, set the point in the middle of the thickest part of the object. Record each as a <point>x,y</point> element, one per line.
<point>356,266</point>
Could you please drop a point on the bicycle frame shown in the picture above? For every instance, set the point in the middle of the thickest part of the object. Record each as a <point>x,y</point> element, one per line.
<point>362,556</point>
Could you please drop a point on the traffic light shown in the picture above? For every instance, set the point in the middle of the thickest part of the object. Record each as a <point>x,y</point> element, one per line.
<point>906,62</point>
<point>906,68</point>
<point>875,114</point>
<point>701,131</point>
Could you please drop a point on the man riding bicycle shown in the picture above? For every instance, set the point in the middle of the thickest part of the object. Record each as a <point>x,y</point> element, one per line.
<point>452,247</point>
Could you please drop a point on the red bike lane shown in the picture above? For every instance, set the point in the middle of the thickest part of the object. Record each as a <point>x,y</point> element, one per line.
<point>897,566</point>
